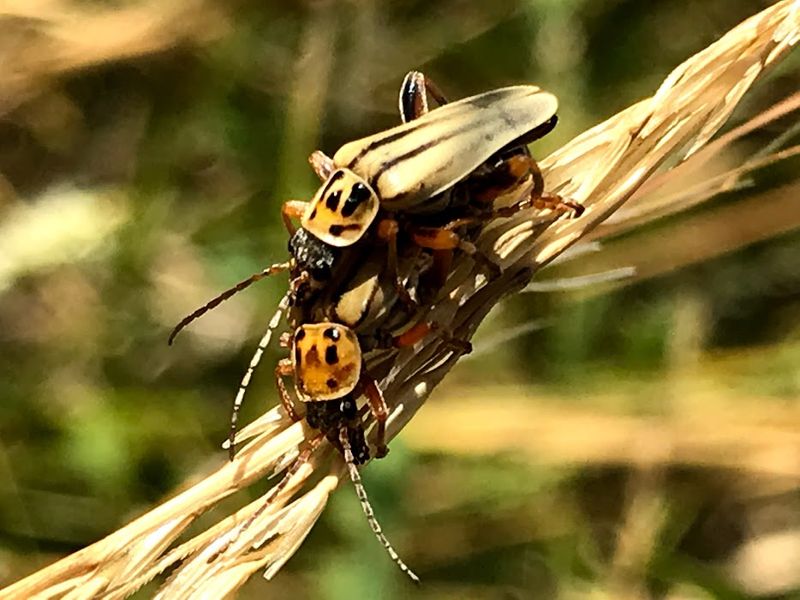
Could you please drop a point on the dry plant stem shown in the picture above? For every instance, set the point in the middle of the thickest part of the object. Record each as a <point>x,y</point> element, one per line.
<point>601,168</point>
<point>645,206</point>
<point>60,36</point>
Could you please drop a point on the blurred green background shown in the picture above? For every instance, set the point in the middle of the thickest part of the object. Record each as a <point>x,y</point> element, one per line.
<point>643,441</point>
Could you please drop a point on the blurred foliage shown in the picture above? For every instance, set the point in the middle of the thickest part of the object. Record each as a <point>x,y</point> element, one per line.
<point>145,149</point>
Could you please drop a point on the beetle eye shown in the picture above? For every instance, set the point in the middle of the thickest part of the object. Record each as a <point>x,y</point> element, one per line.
<point>358,195</point>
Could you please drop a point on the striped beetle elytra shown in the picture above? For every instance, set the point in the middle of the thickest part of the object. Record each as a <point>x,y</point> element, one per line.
<point>409,164</point>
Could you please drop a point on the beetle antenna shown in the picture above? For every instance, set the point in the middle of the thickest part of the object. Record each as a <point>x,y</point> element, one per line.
<point>361,492</point>
<point>271,270</point>
<point>283,306</point>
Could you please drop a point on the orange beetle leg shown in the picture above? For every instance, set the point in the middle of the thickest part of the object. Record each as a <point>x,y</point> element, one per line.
<point>380,411</point>
<point>292,209</point>
<point>558,204</point>
<point>504,178</point>
<point>387,230</point>
<point>436,238</point>
<point>413,335</point>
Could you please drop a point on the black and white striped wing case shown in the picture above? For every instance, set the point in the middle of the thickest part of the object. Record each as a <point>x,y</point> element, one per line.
<point>410,163</point>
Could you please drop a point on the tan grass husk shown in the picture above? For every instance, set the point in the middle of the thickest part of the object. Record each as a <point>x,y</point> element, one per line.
<point>45,39</point>
<point>602,168</point>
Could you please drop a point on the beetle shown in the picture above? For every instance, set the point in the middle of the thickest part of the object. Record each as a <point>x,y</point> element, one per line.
<point>414,168</point>
<point>327,365</point>
<point>410,169</point>
<point>326,362</point>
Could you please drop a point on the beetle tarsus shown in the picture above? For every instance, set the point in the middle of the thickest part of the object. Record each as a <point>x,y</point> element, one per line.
<point>558,204</point>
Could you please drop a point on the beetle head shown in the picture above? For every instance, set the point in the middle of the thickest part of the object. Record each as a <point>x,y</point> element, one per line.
<point>327,361</point>
<point>312,254</point>
<point>342,210</point>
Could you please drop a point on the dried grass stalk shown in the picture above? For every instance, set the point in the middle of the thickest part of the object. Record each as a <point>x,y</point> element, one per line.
<point>601,168</point>
<point>45,38</point>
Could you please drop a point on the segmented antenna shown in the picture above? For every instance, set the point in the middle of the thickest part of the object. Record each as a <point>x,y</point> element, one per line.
<point>271,270</point>
<point>361,492</point>
<point>283,305</point>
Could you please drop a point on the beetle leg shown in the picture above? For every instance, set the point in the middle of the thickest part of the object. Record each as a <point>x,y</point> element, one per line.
<point>284,369</point>
<point>537,177</point>
<point>504,177</point>
<point>297,284</point>
<point>510,173</point>
<point>388,229</point>
<point>414,90</point>
<point>456,344</point>
<point>444,334</point>
<point>418,332</point>
<point>386,340</point>
<point>414,334</point>
<point>543,200</point>
<point>559,204</point>
<point>380,411</point>
<point>443,238</point>
<point>436,276</point>
<point>285,339</point>
<point>436,238</point>
<point>442,241</point>
<point>292,209</point>
<point>322,164</point>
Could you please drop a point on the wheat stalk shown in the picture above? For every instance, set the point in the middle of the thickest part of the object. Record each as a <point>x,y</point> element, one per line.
<point>602,168</point>
<point>61,37</point>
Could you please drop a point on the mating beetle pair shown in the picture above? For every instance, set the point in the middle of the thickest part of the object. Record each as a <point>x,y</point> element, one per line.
<point>414,171</point>
<point>423,184</point>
